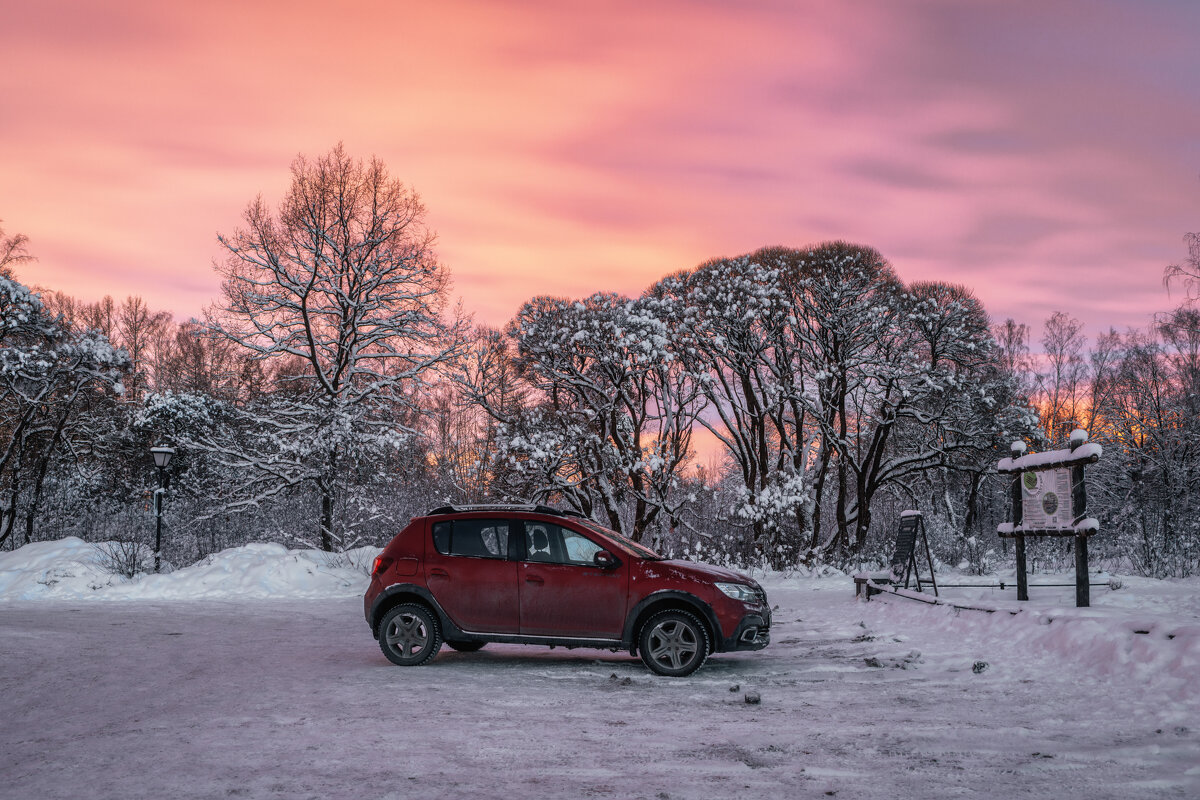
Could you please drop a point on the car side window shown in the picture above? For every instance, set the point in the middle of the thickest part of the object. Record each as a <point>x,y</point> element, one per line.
<point>552,544</point>
<point>441,537</point>
<point>579,548</point>
<point>475,538</point>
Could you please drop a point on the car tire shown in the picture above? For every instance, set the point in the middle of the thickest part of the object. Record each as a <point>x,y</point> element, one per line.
<point>466,647</point>
<point>409,635</point>
<point>673,643</point>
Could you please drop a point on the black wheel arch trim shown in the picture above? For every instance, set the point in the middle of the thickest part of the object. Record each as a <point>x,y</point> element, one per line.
<point>449,629</point>
<point>693,603</point>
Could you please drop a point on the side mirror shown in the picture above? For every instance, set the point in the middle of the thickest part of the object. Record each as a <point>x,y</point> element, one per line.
<point>605,560</point>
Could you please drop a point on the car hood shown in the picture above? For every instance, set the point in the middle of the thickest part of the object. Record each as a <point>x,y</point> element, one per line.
<point>698,569</point>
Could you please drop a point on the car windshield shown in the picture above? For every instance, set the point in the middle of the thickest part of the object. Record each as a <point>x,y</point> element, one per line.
<point>624,541</point>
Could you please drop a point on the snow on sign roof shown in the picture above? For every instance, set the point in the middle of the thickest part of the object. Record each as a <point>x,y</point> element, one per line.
<point>1084,454</point>
<point>912,512</point>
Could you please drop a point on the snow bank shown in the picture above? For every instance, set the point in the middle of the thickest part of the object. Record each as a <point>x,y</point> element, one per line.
<point>1155,648</point>
<point>71,569</point>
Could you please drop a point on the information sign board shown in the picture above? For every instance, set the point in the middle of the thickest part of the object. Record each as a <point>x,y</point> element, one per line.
<point>1046,499</point>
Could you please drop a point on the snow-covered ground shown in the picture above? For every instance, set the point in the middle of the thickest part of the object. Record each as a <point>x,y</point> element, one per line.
<point>254,675</point>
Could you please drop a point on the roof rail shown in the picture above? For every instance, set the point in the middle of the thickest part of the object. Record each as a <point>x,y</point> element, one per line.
<point>529,508</point>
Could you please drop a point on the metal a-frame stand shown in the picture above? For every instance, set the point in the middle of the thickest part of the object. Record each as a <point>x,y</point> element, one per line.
<point>904,562</point>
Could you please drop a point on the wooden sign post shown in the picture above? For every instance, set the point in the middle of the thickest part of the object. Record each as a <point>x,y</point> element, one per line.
<point>1049,498</point>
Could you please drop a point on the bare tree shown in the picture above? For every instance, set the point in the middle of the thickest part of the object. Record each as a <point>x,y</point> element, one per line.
<point>100,316</point>
<point>341,288</point>
<point>1063,383</point>
<point>1187,271</point>
<point>137,330</point>
<point>12,252</point>
<point>1012,343</point>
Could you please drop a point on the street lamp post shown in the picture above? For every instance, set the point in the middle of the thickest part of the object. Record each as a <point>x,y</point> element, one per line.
<point>162,457</point>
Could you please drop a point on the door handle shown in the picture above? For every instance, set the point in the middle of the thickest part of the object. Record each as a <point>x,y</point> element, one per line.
<point>438,573</point>
<point>534,579</point>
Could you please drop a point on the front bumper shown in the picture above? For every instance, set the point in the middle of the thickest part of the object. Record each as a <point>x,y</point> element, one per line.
<point>752,633</point>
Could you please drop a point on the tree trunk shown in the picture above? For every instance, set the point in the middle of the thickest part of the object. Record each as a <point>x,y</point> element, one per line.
<point>861,526</point>
<point>843,533</point>
<point>35,500</point>
<point>819,491</point>
<point>326,519</point>
<point>972,514</point>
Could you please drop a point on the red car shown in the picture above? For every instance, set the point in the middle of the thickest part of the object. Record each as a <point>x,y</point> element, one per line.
<point>470,575</point>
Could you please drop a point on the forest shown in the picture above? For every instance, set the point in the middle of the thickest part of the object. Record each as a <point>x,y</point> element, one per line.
<point>777,409</point>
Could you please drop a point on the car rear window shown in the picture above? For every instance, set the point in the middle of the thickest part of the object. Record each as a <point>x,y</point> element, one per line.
<point>475,538</point>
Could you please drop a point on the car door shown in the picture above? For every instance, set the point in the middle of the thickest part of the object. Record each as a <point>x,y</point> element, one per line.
<point>562,591</point>
<point>469,573</point>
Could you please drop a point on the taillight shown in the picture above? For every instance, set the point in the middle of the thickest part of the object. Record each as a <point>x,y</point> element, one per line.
<point>380,565</point>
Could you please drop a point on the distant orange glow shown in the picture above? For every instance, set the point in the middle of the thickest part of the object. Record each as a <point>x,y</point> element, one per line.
<point>570,148</point>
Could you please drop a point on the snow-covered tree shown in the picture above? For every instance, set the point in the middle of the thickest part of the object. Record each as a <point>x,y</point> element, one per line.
<point>822,370</point>
<point>47,372</point>
<point>961,406</point>
<point>340,294</point>
<point>853,336</point>
<point>730,327</point>
<point>1147,486</point>
<point>606,422</point>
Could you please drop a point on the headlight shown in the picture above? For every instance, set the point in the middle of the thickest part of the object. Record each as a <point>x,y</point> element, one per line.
<point>739,591</point>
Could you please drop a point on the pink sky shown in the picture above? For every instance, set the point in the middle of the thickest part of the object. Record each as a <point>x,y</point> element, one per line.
<point>1045,154</point>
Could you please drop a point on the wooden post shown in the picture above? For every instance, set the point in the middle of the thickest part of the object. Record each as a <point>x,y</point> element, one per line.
<point>1022,577</point>
<point>1083,597</point>
<point>1018,449</point>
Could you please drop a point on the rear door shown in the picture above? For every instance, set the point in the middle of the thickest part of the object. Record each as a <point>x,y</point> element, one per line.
<point>469,573</point>
<point>562,591</point>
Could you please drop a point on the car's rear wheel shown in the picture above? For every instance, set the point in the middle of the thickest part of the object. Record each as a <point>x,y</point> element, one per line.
<point>409,635</point>
<point>466,647</point>
<point>673,643</point>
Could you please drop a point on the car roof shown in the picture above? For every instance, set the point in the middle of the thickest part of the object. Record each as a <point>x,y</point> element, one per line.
<point>507,508</point>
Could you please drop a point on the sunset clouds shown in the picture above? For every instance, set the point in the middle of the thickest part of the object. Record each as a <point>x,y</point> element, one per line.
<point>1047,157</point>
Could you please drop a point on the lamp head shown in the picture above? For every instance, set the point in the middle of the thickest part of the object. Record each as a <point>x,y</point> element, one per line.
<point>162,455</point>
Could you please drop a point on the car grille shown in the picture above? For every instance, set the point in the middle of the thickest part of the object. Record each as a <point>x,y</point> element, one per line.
<point>761,599</point>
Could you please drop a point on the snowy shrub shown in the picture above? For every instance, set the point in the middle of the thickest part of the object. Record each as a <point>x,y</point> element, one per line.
<point>125,557</point>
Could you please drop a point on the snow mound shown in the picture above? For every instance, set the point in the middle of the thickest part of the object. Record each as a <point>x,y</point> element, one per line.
<point>71,569</point>
<point>1161,650</point>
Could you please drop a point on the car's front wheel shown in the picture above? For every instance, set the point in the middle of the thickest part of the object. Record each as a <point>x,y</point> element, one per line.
<point>409,635</point>
<point>673,643</point>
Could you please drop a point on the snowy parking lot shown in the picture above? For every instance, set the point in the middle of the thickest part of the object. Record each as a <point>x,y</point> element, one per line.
<point>290,697</point>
